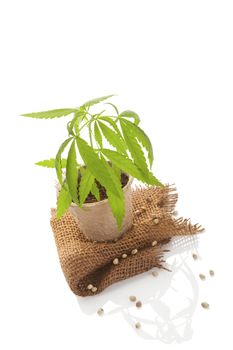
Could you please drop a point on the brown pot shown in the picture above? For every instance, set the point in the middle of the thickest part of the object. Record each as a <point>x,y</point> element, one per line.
<point>96,220</point>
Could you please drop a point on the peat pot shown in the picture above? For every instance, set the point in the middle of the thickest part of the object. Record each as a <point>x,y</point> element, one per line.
<point>96,220</point>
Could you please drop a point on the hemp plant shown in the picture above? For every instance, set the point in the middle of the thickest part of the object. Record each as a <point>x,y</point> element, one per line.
<point>128,150</point>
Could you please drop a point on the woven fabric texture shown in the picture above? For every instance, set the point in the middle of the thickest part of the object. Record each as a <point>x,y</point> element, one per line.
<point>88,266</point>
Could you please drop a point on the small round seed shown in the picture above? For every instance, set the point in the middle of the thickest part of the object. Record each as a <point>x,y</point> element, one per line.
<point>124,256</point>
<point>139,303</point>
<point>90,286</point>
<point>94,289</point>
<point>195,257</point>
<point>154,273</point>
<point>116,261</point>
<point>143,208</point>
<point>156,221</point>
<point>202,277</point>
<point>154,243</point>
<point>137,325</point>
<point>137,212</point>
<point>205,305</point>
<point>134,251</point>
<point>100,311</point>
<point>211,272</point>
<point>132,298</point>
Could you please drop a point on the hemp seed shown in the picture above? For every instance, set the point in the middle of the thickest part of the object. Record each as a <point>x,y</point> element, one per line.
<point>154,243</point>
<point>94,289</point>
<point>124,256</point>
<point>205,305</point>
<point>156,221</point>
<point>154,273</point>
<point>132,298</point>
<point>211,272</point>
<point>138,304</point>
<point>134,251</point>
<point>137,325</point>
<point>202,277</point>
<point>116,261</point>
<point>90,286</point>
<point>100,311</point>
<point>195,257</point>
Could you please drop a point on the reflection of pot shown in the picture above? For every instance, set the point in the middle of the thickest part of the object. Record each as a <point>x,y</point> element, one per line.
<point>96,220</point>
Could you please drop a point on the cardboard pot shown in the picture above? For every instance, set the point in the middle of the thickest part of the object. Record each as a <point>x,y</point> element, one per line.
<point>96,220</point>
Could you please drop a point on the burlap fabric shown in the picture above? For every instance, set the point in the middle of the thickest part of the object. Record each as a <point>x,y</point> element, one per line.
<point>87,263</point>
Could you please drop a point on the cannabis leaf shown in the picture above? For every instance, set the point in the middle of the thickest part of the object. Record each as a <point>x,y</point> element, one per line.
<point>95,101</point>
<point>98,135</point>
<point>50,163</point>
<point>58,163</point>
<point>63,202</point>
<point>72,173</point>
<point>55,113</point>
<point>95,191</point>
<point>86,183</point>
<point>113,138</point>
<point>142,138</point>
<point>130,114</point>
<point>74,123</point>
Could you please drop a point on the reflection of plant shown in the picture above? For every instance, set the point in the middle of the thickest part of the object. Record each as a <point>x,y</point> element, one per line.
<point>122,133</point>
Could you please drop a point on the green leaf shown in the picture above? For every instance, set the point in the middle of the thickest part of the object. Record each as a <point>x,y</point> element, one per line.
<point>112,123</point>
<point>113,106</point>
<point>117,203</point>
<point>58,161</point>
<point>113,138</point>
<point>72,173</point>
<point>64,201</point>
<point>74,123</point>
<point>50,163</point>
<point>85,186</point>
<point>55,113</point>
<point>130,114</point>
<point>142,138</point>
<point>95,191</point>
<point>134,148</point>
<point>98,135</point>
<point>96,166</point>
<point>95,101</point>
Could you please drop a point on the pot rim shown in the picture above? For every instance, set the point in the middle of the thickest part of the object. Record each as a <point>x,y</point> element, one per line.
<point>103,201</point>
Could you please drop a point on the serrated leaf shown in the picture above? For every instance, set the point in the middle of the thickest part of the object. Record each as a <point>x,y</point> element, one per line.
<point>95,191</point>
<point>95,101</point>
<point>55,113</point>
<point>64,201</point>
<point>98,135</point>
<point>58,163</point>
<point>74,123</point>
<point>96,166</point>
<point>50,163</point>
<point>112,123</point>
<point>134,148</point>
<point>72,173</point>
<point>117,203</point>
<point>142,138</point>
<point>131,114</point>
<point>113,106</point>
<point>113,138</point>
<point>85,186</point>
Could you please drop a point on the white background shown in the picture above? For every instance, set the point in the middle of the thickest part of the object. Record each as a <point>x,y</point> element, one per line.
<point>170,61</point>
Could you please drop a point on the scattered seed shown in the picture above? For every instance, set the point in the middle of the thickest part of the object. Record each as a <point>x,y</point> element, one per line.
<point>143,208</point>
<point>137,212</point>
<point>132,298</point>
<point>94,289</point>
<point>139,303</point>
<point>211,273</point>
<point>156,221</point>
<point>154,273</point>
<point>154,243</point>
<point>137,325</point>
<point>90,286</point>
<point>195,257</point>
<point>100,311</point>
<point>202,277</point>
<point>134,251</point>
<point>124,256</point>
<point>205,305</point>
<point>116,261</point>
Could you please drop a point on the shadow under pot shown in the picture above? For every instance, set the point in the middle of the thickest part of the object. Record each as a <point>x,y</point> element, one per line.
<point>96,220</point>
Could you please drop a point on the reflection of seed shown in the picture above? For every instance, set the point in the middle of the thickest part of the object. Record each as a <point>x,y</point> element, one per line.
<point>154,273</point>
<point>195,257</point>
<point>116,261</point>
<point>202,277</point>
<point>132,298</point>
<point>156,221</point>
<point>137,325</point>
<point>138,303</point>
<point>134,251</point>
<point>211,273</point>
<point>94,289</point>
<point>124,256</point>
<point>100,311</point>
<point>205,305</point>
<point>154,243</point>
<point>90,286</point>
